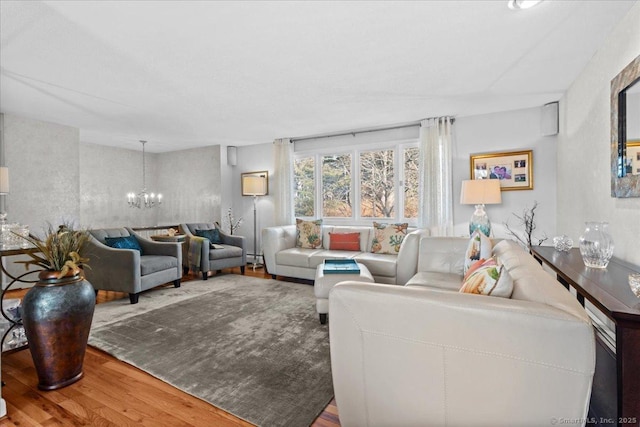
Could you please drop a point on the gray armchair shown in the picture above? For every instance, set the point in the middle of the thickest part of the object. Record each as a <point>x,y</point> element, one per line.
<point>232,253</point>
<point>127,270</point>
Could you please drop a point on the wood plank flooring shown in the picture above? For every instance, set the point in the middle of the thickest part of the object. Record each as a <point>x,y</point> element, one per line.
<point>112,393</point>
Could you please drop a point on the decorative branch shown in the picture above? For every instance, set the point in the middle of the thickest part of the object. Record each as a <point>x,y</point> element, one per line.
<point>528,221</point>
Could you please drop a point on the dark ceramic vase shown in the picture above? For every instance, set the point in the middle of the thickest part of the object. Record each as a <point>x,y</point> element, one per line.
<point>57,316</point>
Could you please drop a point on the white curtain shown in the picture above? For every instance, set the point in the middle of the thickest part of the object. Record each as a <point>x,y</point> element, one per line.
<point>436,182</point>
<point>283,176</point>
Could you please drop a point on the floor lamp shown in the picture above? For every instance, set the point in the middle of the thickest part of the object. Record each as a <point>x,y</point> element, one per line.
<point>255,184</point>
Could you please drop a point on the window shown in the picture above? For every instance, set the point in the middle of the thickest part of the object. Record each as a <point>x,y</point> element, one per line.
<point>336,186</point>
<point>361,184</point>
<point>377,184</point>
<point>304,187</point>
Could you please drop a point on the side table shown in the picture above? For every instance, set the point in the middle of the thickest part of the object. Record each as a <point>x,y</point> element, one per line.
<point>14,322</point>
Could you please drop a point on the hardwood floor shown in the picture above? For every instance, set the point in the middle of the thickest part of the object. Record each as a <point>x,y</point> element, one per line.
<point>112,393</point>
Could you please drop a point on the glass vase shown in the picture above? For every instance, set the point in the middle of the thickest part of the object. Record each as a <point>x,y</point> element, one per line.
<point>596,245</point>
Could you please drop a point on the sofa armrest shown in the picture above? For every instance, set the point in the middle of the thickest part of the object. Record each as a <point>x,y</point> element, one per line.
<point>274,240</point>
<point>415,356</point>
<point>111,268</point>
<point>407,265</point>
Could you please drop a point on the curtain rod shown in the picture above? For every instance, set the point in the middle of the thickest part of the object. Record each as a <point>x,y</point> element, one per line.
<point>355,132</point>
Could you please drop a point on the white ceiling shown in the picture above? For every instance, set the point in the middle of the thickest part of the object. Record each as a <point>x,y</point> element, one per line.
<point>184,74</point>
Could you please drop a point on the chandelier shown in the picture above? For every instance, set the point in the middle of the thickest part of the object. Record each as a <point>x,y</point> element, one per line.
<point>144,199</point>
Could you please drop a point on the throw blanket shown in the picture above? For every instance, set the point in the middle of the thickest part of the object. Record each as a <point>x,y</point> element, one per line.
<point>195,251</point>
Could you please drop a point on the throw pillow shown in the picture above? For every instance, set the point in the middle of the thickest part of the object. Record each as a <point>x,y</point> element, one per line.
<point>308,233</point>
<point>387,238</point>
<point>126,242</point>
<point>488,278</point>
<point>479,248</point>
<point>344,241</point>
<point>213,235</point>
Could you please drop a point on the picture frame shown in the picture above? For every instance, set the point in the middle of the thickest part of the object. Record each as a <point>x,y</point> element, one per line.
<point>514,169</point>
<point>633,157</point>
<point>255,183</point>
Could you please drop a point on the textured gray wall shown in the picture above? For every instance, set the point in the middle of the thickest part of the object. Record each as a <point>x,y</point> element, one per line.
<point>43,160</point>
<point>107,174</point>
<point>190,181</point>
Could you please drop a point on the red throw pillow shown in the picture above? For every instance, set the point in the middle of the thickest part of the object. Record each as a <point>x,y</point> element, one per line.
<point>344,241</point>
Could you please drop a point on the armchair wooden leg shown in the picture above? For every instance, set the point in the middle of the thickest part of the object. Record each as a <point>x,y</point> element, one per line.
<point>185,270</point>
<point>176,283</point>
<point>242,270</point>
<point>134,298</point>
<point>273,276</point>
<point>205,275</point>
<point>323,318</point>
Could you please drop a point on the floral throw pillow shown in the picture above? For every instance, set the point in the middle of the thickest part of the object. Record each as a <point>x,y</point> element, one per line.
<point>479,248</point>
<point>387,238</point>
<point>308,234</point>
<point>487,278</point>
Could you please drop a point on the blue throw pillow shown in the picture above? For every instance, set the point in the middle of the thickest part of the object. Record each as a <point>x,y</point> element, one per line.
<point>213,235</point>
<point>127,242</point>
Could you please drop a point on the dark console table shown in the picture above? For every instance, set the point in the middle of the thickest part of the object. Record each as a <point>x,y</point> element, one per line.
<point>608,290</point>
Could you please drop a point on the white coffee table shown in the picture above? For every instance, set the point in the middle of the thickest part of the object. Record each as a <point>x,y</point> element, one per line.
<point>325,282</point>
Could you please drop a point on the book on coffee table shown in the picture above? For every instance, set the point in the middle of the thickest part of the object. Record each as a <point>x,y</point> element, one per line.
<point>341,266</point>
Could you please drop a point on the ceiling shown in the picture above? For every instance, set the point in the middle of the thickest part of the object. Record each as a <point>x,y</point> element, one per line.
<point>184,74</point>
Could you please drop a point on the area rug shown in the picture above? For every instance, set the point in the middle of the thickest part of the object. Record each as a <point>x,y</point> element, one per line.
<point>253,347</point>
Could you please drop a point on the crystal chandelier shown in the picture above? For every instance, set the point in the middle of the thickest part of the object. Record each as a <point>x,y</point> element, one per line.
<point>144,199</point>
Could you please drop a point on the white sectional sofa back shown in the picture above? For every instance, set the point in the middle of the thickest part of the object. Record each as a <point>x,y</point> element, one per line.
<point>283,258</point>
<point>425,354</point>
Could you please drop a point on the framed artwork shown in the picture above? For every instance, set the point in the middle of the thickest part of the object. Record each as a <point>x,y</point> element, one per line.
<point>514,169</point>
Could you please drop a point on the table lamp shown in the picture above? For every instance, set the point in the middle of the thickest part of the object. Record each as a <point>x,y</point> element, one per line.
<point>480,192</point>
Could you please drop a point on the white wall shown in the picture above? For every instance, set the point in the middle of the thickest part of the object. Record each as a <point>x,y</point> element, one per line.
<point>508,131</point>
<point>584,192</point>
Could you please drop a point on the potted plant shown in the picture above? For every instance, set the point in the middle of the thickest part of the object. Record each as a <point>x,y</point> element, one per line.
<point>57,312</point>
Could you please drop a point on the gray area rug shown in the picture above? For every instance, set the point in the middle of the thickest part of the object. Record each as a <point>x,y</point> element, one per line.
<point>253,347</point>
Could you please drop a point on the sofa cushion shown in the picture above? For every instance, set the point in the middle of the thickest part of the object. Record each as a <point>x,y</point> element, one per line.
<point>224,252</point>
<point>432,279</point>
<point>295,257</point>
<point>308,233</point>
<point>212,234</point>
<point>154,263</point>
<point>125,242</point>
<point>488,278</point>
<point>515,258</point>
<point>344,241</point>
<point>442,254</point>
<point>318,258</point>
<point>378,264</point>
<point>387,238</point>
<point>479,248</point>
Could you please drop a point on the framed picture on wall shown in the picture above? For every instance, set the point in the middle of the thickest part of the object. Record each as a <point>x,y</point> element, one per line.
<point>514,169</point>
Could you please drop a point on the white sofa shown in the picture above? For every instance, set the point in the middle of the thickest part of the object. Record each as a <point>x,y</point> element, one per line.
<point>425,354</point>
<point>283,258</point>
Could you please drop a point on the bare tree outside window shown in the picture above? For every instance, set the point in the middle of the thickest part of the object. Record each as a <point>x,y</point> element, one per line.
<point>304,188</point>
<point>336,186</point>
<point>411,182</point>
<point>377,184</point>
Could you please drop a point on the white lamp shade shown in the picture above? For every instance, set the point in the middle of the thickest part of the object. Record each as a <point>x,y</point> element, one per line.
<point>480,192</point>
<point>4,180</point>
<point>254,185</point>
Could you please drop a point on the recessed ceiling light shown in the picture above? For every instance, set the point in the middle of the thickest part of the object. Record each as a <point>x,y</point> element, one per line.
<point>523,4</point>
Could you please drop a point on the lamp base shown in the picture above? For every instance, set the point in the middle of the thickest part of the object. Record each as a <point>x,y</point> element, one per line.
<point>480,221</point>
